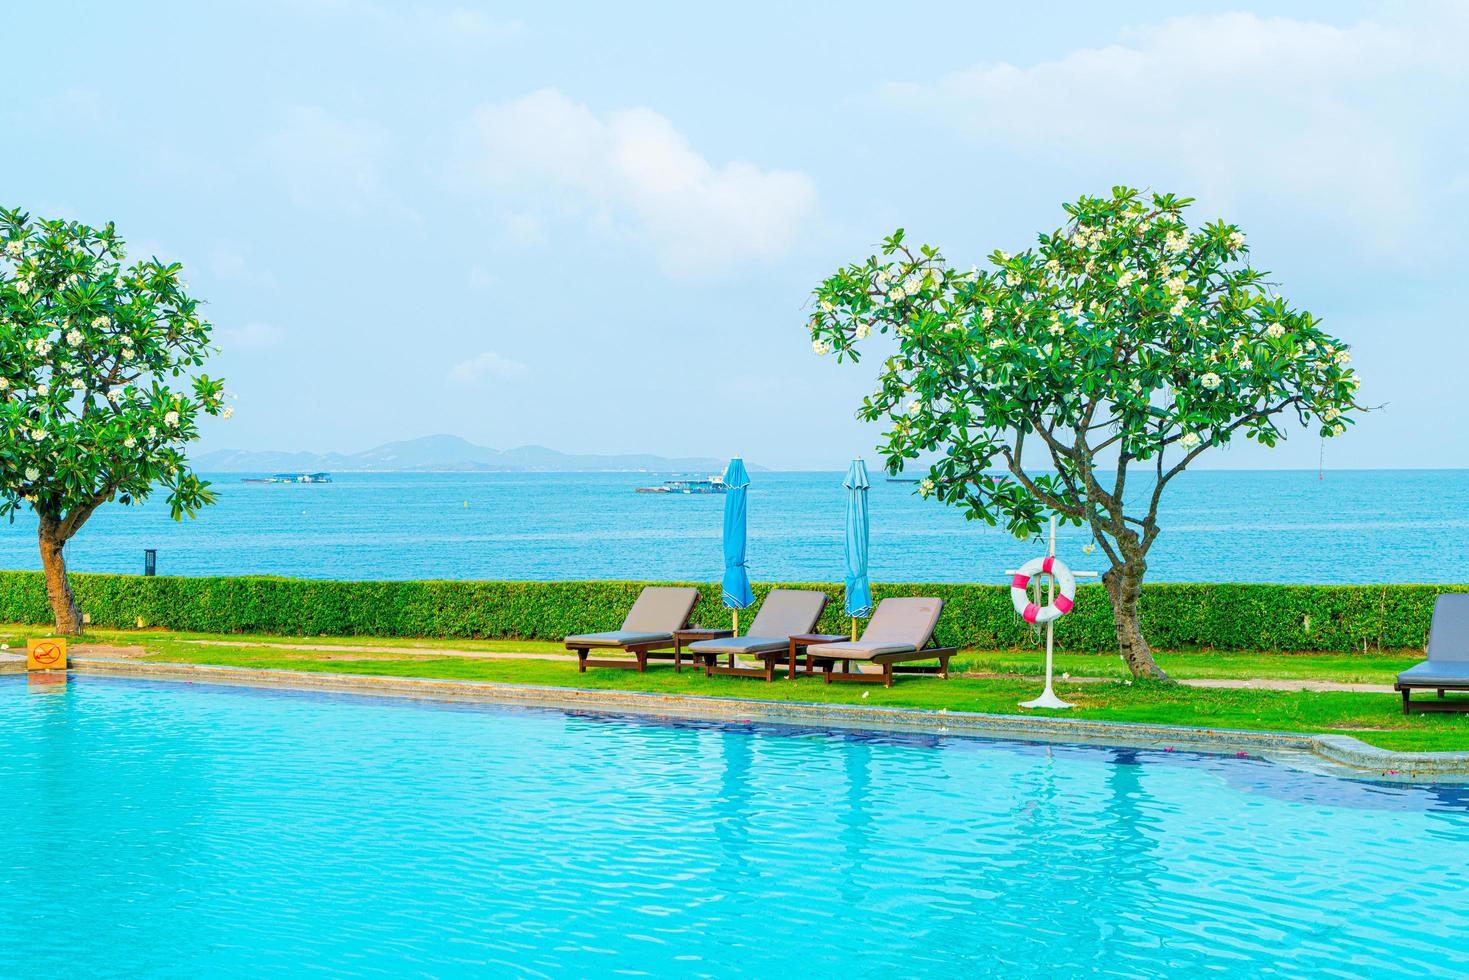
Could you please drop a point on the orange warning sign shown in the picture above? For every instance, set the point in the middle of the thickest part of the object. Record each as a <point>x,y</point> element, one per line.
<point>47,654</point>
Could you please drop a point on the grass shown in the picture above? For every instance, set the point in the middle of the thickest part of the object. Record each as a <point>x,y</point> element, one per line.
<point>1374,718</point>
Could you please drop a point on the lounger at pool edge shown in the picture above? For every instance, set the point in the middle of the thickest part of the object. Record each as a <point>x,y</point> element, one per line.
<point>898,632</point>
<point>784,613</point>
<point>658,611</point>
<point>1447,666</point>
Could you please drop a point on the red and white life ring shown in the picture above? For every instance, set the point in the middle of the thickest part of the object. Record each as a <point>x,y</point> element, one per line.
<point>1065,583</point>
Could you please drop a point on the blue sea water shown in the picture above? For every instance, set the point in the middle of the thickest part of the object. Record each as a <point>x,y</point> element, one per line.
<point>1281,526</point>
<point>163,829</point>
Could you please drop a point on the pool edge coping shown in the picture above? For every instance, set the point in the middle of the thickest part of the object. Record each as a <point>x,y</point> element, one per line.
<point>1346,755</point>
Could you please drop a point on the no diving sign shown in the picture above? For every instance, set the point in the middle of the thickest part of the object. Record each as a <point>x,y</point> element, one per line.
<point>47,654</point>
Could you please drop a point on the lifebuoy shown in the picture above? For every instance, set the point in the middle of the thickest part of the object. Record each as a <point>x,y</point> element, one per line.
<point>1065,583</point>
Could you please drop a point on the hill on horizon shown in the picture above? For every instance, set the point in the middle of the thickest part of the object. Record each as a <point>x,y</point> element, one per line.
<point>448,453</point>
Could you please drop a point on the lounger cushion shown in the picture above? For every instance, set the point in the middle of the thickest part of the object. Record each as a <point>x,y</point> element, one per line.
<point>860,650</point>
<point>905,622</point>
<point>787,612</point>
<point>617,638</point>
<point>749,645</point>
<point>660,609</point>
<point>1448,636</point>
<point>1449,673</point>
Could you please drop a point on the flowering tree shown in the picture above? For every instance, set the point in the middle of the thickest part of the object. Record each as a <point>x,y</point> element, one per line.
<point>88,352</point>
<point>1081,376</point>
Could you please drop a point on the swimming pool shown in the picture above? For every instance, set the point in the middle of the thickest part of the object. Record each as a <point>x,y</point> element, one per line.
<point>164,828</point>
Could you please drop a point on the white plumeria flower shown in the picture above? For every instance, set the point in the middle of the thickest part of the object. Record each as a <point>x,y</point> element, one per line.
<point>38,433</point>
<point>1338,429</point>
<point>896,294</point>
<point>78,384</point>
<point>130,442</point>
<point>820,347</point>
<point>1125,279</point>
<point>1236,240</point>
<point>152,432</point>
<point>862,331</point>
<point>1343,358</point>
<point>171,419</point>
<point>43,389</point>
<point>915,406</point>
<point>22,286</point>
<point>101,322</point>
<point>4,383</point>
<point>14,248</point>
<point>988,316</point>
<point>826,306</point>
<point>1188,441</point>
<point>925,487</point>
<point>1274,331</point>
<point>1355,381</point>
<point>114,395</point>
<point>1331,414</point>
<point>1210,381</point>
<point>1056,329</point>
<point>73,336</point>
<point>229,412</point>
<point>1088,548</point>
<point>32,474</point>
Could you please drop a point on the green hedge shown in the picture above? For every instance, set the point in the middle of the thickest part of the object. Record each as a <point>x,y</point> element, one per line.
<point>1218,616</point>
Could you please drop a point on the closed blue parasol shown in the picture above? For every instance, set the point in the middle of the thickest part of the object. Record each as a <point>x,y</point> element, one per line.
<point>737,594</point>
<point>859,591</point>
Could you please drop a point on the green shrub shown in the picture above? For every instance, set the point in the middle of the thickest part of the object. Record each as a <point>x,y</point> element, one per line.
<point>1219,616</point>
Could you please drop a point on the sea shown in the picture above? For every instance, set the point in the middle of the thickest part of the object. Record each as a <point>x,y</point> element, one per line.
<point>1367,526</point>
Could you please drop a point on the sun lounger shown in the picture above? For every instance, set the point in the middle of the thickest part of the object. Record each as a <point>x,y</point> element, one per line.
<point>784,613</point>
<point>1447,666</point>
<point>649,626</point>
<point>899,632</point>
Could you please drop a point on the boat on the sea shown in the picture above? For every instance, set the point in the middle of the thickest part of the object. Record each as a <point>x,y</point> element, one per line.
<point>714,484</point>
<point>291,478</point>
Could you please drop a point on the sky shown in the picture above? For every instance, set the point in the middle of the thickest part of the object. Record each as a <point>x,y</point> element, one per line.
<point>596,227</point>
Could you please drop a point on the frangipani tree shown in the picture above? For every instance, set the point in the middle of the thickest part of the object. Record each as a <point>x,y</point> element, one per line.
<point>1081,376</point>
<point>98,395</point>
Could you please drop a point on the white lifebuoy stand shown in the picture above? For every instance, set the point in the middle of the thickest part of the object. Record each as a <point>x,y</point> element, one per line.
<point>1051,612</point>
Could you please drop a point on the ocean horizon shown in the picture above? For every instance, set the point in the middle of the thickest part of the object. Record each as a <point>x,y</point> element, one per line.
<point>1287,526</point>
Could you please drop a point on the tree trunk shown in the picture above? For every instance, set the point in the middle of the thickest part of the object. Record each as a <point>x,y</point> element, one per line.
<point>58,588</point>
<point>1125,588</point>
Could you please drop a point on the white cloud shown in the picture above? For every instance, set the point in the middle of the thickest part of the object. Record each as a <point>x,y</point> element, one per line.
<point>326,163</point>
<point>488,366</point>
<point>1233,102</point>
<point>632,170</point>
<point>248,337</point>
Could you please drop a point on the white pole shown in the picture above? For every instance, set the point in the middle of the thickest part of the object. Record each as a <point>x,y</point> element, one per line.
<point>1048,697</point>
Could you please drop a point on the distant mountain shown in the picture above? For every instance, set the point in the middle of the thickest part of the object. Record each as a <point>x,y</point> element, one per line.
<point>443,453</point>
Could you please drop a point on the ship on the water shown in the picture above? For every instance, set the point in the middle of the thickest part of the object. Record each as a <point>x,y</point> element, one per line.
<point>291,478</point>
<point>714,484</point>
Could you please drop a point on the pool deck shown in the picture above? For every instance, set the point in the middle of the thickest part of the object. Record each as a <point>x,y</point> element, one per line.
<point>1339,755</point>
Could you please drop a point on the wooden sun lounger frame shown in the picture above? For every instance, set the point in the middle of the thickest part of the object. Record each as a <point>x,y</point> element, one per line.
<point>662,649</point>
<point>1442,704</point>
<point>711,663</point>
<point>891,663</point>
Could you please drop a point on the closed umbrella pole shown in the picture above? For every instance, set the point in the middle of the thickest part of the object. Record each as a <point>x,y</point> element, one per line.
<point>858,589</point>
<point>736,586</point>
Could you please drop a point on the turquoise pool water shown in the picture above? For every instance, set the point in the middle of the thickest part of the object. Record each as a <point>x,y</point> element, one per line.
<point>169,829</point>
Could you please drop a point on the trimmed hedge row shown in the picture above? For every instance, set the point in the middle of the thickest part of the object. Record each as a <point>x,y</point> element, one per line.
<point>1218,616</point>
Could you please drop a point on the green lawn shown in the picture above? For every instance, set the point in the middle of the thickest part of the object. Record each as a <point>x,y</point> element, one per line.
<point>1375,718</point>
